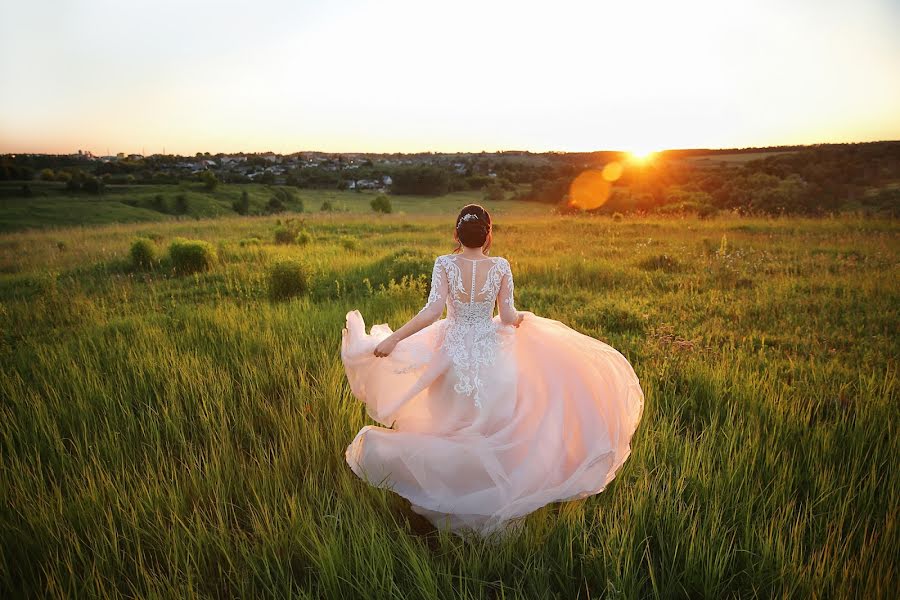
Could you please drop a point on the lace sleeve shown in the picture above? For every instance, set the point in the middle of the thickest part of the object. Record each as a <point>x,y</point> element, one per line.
<point>508,312</point>
<point>437,296</point>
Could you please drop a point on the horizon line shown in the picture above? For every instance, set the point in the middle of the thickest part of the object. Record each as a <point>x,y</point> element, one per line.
<point>498,151</point>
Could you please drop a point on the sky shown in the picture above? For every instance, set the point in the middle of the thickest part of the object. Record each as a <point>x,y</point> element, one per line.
<point>463,76</point>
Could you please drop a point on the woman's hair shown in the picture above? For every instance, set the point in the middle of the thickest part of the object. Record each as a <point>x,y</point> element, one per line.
<point>473,227</point>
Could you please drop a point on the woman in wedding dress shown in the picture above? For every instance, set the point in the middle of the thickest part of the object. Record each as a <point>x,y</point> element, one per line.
<point>491,417</point>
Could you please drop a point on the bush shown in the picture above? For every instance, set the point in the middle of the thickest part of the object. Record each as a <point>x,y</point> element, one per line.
<point>242,206</point>
<point>92,185</point>
<point>494,192</point>
<point>143,254</point>
<point>209,180</point>
<point>327,206</point>
<point>181,204</point>
<point>250,241</point>
<point>274,205</point>
<point>349,243</point>
<point>287,278</point>
<point>158,203</point>
<point>409,262</point>
<point>381,203</point>
<point>617,216</point>
<point>290,232</point>
<point>280,200</point>
<point>191,256</point>
<point>285,235</point>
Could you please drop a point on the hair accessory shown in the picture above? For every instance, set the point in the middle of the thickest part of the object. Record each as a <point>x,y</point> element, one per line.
<point>466,217</point>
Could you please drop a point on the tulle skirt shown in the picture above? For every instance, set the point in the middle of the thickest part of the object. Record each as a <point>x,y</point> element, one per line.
<point>559,409</point>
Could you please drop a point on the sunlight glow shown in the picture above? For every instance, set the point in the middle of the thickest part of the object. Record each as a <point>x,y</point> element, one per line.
<point>641,155</point>
<point>366,76</point>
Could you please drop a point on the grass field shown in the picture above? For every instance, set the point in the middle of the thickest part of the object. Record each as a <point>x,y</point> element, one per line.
<point>52,206</point>
<point>733,159</point>
<point>183,436</point>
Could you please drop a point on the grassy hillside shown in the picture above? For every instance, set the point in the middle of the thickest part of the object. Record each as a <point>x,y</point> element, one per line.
<point>183,435</point>
<point>51,205</point>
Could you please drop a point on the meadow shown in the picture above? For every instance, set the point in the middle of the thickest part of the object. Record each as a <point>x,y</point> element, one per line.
<point>170,435</point>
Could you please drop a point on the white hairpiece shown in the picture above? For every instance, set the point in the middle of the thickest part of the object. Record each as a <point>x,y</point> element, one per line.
<point>466,217</point>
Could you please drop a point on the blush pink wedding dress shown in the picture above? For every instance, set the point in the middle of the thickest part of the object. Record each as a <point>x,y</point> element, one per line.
<point>488,422</point>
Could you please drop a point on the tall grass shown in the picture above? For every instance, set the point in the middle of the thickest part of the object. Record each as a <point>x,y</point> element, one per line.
<point>167,435</point>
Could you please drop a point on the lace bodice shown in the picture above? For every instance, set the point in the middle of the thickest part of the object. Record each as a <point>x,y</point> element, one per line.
<point>470,289</point>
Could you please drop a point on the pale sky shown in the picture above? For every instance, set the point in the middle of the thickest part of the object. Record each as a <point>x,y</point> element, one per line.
<point>466,76</point>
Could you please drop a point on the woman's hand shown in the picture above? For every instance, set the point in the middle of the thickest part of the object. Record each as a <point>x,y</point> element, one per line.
<point>385,347</point>
<point>519,319</point>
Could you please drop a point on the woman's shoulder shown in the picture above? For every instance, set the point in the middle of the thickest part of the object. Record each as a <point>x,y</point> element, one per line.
<point>501,262</point>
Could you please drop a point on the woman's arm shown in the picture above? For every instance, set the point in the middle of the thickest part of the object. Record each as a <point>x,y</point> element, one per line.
<point>429,313</point>
<point>508,313</point>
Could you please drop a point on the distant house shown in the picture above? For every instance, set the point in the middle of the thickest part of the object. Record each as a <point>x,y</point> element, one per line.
<point>386,180</point>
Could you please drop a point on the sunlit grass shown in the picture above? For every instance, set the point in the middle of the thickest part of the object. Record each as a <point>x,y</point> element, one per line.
<point>182,436</point>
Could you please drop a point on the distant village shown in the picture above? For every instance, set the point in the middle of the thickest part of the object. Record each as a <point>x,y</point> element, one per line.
<point>270,167</point>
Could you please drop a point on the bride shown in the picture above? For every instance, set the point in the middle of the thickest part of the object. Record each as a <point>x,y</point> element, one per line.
<point>491,417</point>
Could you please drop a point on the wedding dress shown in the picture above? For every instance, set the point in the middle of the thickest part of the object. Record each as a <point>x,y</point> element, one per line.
<point>488,422</point>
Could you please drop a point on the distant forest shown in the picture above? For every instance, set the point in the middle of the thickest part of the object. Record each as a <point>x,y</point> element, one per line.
<point>807,180</point>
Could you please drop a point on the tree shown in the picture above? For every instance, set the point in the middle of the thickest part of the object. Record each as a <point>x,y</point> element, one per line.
<point>209,180</point>
<point>494,192</point>
<point>426,180</point>
<point>242,206</point>
<point>181,204</point>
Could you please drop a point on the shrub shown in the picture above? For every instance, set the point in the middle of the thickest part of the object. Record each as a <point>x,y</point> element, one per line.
<point>280,200</point>
<point>158,203</point>
<point>285,235</point>
<point>349,243</point>
<point>191,256</point>
<point>704,211</point>
<point>181,204</point>
<point>242,206</point>
<point>143,254</point>
<point>327,206</point>
<point>287,278</point>
<point>92,185</point>
<point>381,203</point>
<point>250,241</point>
<point>617,216</point>
<point>289,232</point>
<point>494,192</point>
<point>275,205</point>
<point>209,180</point>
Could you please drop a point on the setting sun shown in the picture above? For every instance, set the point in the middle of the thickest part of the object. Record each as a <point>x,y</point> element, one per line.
<point>641,154</point>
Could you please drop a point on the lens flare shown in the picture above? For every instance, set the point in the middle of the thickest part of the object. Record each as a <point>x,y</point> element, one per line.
<point>612,171</point>
<point>589,190</point>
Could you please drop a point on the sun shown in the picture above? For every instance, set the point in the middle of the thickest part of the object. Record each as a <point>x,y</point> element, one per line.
<point>641,153</point>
